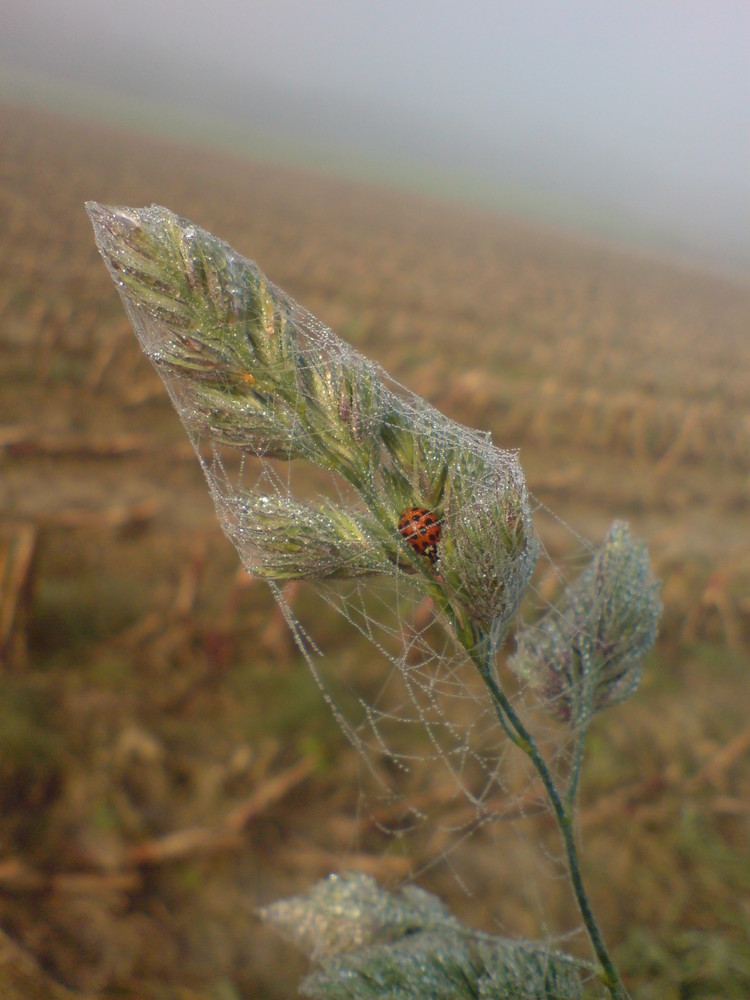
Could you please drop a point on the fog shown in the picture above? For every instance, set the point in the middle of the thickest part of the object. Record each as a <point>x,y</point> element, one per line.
<point>627,119</point>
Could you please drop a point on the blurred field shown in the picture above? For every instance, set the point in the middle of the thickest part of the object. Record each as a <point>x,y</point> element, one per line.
<point>166,763</point>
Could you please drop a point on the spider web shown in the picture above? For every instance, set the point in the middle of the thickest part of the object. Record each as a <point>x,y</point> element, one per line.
<point>436,763</point>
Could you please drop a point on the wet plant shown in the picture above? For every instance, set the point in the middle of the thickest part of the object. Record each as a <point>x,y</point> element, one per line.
<point>421,504</point>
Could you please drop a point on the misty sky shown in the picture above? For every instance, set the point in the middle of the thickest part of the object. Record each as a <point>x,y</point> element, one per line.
<point>632,117</point>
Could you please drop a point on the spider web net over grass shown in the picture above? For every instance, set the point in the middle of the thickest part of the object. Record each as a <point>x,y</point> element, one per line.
<point>312,455</point>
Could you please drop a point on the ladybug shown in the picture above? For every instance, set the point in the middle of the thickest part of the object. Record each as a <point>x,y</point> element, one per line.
<point>422,531</point>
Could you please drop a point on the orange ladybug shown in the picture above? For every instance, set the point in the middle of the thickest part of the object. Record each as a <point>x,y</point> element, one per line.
<point>422,531</point>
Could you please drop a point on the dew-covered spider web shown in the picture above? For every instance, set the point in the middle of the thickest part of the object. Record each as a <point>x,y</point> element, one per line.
<point>313,455</point>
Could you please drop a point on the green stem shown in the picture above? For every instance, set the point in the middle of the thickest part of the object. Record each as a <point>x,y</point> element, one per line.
<point>583,717</point>
<point>575,769</point>
<point>525,741</point>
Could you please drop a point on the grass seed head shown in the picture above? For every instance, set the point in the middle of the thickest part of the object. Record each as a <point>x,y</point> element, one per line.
<point>247,368</point>
<point>586,652</point>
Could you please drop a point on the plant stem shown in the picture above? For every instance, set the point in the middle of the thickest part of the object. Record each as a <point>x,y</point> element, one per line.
<point>523,739</point>
<point>575,769</point>
<point>583,701</point>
